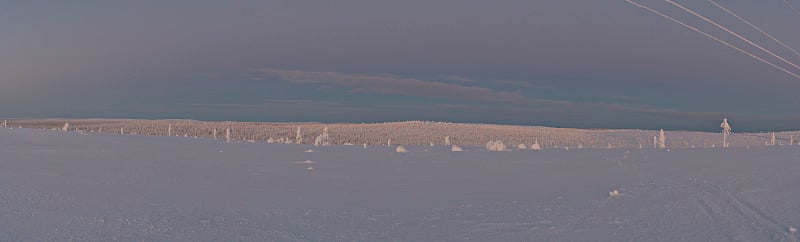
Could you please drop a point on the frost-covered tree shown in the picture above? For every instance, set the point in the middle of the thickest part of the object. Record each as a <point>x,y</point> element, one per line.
<point>655,142</point>
<point>298,136</point>
<point>662,140</point>
<point>389,142</point>
<point>214,133</point>
<point>772,140</point>
<point>270,140</point>
<point>5,123</point>
<point>169,130</point>
<point>228,135</point>
<point>323,139</point>
<point>65,127</point>
<point>522,146</point>
<point>447,140</point>
<point>122,130</point>
<point>726,131</point>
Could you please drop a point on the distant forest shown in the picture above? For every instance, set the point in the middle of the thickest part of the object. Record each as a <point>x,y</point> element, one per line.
<point>419,133</point>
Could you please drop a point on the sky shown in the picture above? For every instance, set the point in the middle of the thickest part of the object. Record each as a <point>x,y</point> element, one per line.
<point>586,64</point>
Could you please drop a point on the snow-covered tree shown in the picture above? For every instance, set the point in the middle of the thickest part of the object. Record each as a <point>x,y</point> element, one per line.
<point>655,142</point>
<point>323,139</point>
<point>455,148</point>
<point>522,146</point>
<point>726,130</point>
<point>447,140</point>
<point>298,136</point>
<point>389,142</point>
<point>270,140</point>
<point>169,130</point>
<point>228,135</point>
<point>5,123</point>
<point>662,140</point>
<point>772,140</point>
<point>65,127</point>
<point>214,133</point>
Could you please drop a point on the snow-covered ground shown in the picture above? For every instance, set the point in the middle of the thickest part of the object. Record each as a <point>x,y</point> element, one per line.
<point>57,186</point>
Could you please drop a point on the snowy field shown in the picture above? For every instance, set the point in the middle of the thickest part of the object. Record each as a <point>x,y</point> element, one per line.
<point>57,186</point>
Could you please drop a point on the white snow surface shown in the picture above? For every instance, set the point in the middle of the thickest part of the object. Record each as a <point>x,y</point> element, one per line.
<point>59,186</point>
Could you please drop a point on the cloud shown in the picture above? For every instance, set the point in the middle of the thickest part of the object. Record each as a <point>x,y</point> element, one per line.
<point>360,83</point>
<point>490,99</point>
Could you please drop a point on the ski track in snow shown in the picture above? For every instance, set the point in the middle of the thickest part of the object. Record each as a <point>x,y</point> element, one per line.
<point>57,186</point>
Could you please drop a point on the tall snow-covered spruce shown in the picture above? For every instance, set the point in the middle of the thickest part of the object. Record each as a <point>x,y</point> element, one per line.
<point>726,131</point>
<point>662,140</point>
<point>228,135</point>
<point>298,136</point>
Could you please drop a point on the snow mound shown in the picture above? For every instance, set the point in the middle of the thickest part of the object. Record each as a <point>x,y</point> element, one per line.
<point>401,149</point>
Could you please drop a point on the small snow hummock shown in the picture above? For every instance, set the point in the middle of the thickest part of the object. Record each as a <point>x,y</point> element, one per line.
<point>455,148</point>
<point>792,230</point>
<point>309,151</point>
<point>614,193</point>
<point>401,149</point>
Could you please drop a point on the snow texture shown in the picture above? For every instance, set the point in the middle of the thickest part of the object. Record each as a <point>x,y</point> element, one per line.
<point>62,186</point>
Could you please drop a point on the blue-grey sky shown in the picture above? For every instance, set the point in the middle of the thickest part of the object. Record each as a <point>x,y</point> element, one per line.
<point>591,64</point>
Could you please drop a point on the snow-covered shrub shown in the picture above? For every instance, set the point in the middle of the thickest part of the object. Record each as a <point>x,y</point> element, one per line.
<point>65,128</point>
<point>447,140</point>
<point>522,146</point>
<point>536,146</point>
<point>455,148</point>
<point>401,149</point>
<point>318,141</point>
<point>496,146</point>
